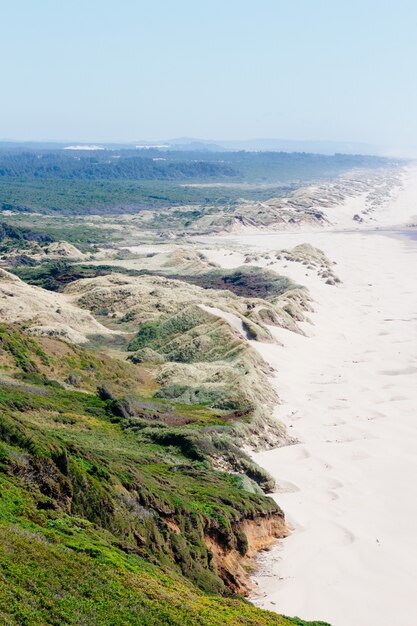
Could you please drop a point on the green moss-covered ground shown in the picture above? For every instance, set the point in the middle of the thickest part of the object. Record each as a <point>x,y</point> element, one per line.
<point>64,574</point>
<point>105,505</point>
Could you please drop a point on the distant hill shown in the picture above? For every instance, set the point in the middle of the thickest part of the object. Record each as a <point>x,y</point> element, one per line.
<point>291,145</point>
<point>193,144</point>
<point>269,145</point>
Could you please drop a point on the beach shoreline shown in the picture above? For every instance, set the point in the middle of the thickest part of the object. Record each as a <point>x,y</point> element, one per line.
<point>347,392</point>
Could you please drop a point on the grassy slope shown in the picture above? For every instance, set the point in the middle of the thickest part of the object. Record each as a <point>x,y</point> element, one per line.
<point>46,579</point>
<point>62,570</point>
<point>91,504</point>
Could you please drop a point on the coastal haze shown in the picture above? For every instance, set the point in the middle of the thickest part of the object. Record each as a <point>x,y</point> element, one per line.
<point>208,313</point>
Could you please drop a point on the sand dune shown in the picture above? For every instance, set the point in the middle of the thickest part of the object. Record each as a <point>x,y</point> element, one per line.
<point>45,312</point>
<point>349,396</point>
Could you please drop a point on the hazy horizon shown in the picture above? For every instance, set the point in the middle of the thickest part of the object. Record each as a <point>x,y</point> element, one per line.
<point>255,144</point>
<point>305,71</point>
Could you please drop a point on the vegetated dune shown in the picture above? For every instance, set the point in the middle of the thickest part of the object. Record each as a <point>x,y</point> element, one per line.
<point>162,258</point>
<point>187,263</point>
<point>183,260</point>
<point>44,312</point>
<point>85,483</point>
<point>16,241</point>
<point>144,298</point>
<point>305,254</point>
<point>195,337</point>
<point>62,250</point>
<point>166,321</point>
<point>133,491</point>
<point>264,296</point>
<point>204,332</point>
<point>346,201</point>
<point>55,251</point>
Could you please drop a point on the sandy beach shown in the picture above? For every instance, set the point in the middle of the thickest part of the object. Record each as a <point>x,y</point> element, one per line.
<point>348,394</point>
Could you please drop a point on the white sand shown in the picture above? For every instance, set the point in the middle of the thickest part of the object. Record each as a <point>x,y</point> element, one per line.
<point>349,391</point>
<point>398,207</point>
<point>234,321</point>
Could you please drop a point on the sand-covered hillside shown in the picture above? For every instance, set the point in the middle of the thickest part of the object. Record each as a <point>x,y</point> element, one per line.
<point>44,312</point>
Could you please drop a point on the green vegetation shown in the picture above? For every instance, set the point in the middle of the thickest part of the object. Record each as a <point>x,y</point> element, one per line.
<point>49,228</point>
<point>47,360</point>
<point>98,166</point>
<point>246,281</point>
<point>189,336</point>
<point>111,197</point>
<point>105,508</point>
<point>170,165</point>
<point>23,350</point>
<point>60,228</point>
<point>51,580</point>
<point>249,282</point>
<point>215,398</point>
<point>15,238</point>
<point>112,508</point>
<point>125,182</point>
<point>55,275</point>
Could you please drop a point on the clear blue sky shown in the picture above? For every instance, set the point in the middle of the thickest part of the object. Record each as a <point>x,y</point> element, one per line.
<point>107,70</point>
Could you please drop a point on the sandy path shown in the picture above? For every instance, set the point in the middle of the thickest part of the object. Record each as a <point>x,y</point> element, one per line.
<point>349,393</point>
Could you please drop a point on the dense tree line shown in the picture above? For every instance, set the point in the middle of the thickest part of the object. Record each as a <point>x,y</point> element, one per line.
<point>177,166</point>
<point>20,234</point>
<point>108,167</point>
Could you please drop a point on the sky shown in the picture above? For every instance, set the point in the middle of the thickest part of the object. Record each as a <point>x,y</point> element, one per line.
<point>126,70</point>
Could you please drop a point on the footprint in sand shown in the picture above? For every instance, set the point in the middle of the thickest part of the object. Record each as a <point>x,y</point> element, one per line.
<point>352,439</point>
<point>332,495</point>
<point>303,453</point>
<point>338,535</point>
<point>324,497</point>
<point>299,453</point>
<point>285,486</point>
<point>333,534</point>
<point>346,536</point>
<point>333,483</point>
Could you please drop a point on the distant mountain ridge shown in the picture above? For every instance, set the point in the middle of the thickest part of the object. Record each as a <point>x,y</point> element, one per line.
<point>192,144</point>
<point>268,145</point>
